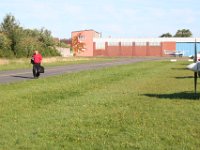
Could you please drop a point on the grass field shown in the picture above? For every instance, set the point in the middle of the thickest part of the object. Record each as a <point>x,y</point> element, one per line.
<point>147,105</point>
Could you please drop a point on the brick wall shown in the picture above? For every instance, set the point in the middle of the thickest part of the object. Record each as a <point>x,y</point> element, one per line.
<point>132,50</point>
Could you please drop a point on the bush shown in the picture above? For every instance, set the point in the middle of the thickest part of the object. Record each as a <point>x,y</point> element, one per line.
<point>49,52</point>
<point>6,54</point>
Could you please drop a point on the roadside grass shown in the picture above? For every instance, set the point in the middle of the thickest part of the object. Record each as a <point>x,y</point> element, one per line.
<point>24,63</point>
<point>148,105</point>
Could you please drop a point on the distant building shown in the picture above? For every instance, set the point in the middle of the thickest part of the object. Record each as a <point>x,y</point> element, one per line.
<point>95,45</point>
<point>87,37</point>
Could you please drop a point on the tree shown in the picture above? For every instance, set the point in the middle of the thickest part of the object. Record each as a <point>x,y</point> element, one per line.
<point>12,29</point>
<point>4,42</point>
<point>21,42</point>
<point>46,38</point>
<point>77,45</point>
<point>183,33</point>
<point>166,35</point>
<point>27,45</point>
<point>5,49</point>
<point>66,41</point>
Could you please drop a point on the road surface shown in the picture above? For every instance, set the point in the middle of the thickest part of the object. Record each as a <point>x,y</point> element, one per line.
<point>26,74</point>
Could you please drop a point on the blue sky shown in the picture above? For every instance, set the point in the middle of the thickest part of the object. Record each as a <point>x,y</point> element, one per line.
<point>115,18</point>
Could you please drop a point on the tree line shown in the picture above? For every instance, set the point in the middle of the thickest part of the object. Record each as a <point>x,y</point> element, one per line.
<point>179,33</point>
<point>15,41</point>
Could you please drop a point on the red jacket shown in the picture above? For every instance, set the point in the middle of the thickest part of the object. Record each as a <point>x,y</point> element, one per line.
<point>37,58</point>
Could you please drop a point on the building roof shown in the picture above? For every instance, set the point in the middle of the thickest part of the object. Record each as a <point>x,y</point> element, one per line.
<point>189,40</point>
<point>86,30</point>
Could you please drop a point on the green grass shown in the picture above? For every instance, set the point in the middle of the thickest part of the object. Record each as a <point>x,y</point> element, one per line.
<point>147,105</point>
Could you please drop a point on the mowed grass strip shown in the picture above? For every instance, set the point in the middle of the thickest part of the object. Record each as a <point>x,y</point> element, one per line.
<point>147,105</point>
<point>24,63</point>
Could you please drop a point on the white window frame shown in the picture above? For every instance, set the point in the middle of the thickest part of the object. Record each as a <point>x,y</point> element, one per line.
<point>81,38</point>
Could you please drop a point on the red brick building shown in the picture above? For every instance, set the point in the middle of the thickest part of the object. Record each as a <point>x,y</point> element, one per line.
<point>95,45</point>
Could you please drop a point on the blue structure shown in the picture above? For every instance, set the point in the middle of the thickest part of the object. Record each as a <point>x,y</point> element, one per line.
<point>187,48</point>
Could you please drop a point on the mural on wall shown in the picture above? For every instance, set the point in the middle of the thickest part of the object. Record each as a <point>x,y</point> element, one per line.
<point>77,45</point>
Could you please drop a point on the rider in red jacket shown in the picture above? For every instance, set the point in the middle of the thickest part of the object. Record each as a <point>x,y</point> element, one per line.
<point>37,59</point>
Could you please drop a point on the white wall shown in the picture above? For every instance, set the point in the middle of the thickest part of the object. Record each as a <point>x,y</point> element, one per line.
<point>65,52</point>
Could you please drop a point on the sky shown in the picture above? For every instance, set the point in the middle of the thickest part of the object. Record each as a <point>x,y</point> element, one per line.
<point>112,18</point>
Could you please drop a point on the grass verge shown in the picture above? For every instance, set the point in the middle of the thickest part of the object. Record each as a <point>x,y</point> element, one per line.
<point>147,105</point>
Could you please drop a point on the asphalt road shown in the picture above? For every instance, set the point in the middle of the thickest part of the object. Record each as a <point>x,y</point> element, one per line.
<point>26,74</point>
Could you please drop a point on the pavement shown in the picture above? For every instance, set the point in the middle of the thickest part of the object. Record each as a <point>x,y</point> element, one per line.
<point>26,74</point>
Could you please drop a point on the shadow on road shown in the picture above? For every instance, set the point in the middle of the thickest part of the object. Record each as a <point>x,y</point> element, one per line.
<point>23,77</point>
